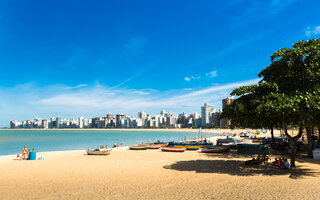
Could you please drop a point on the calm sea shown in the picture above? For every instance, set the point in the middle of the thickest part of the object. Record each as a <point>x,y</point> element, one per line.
<point>12,141</point>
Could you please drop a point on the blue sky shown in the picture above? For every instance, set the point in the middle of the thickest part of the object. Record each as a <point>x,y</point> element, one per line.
<point>73,58</point>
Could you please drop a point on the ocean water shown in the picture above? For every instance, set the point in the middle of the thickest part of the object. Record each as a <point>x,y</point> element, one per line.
<point>12,141</point>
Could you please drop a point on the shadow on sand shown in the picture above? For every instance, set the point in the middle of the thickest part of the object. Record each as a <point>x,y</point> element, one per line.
<point>237,168</point>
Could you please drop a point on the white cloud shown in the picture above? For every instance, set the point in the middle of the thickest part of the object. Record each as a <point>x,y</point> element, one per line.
<point>29,100</point>
<point>76,87</point>
<point>187,78</point>
<point>312,31</point>
<point>212,74</point>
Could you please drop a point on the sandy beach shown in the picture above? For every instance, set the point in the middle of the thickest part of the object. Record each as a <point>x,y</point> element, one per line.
<point>153,174</point>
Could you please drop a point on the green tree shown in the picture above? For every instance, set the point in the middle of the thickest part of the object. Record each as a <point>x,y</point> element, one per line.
<point>287,95</point>
<point>296,71</point>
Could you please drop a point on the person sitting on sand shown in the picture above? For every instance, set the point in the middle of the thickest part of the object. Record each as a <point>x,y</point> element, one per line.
<point>286,164</point>
<point>259,159</point>
<point>24,153</point>
<point>276,162</point>
<point>29,154</point>
<point>265,158</point>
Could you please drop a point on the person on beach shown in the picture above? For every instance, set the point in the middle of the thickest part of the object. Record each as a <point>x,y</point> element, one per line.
<point>24,153</point>
<point>286,164</point>
<point>29,154</point>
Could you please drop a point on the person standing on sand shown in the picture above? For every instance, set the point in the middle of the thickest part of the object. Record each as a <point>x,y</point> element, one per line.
<point>24,153</point>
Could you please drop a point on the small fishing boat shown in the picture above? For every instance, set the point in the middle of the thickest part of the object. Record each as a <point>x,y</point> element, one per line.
<point>101,152</point>
<point>215,150</point>
<point>155,146</point>
<point>172,149</point>
<point>145,144</point>
<point>139,147</point>
<point>189,147</point>
<point>226,141</point>
<point>244,141</point>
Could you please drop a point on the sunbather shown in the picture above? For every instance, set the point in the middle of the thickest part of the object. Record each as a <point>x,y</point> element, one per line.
<point>24,153</point>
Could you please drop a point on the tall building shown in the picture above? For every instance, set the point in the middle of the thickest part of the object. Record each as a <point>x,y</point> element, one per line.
<point>227,101</point>
<point>45,124</point>
<point>81,119</point>
<point>58,122</point>
<point>206,111</point>
<point>13,123</point>
<point>142,114</point>
<point>109,116</point>
<point>95,122</point>
<point>215,119</point>
<point>226,122</point>
<point>119,120</point>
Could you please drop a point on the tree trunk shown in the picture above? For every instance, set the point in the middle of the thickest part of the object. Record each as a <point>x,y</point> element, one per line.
<point>313,140</point>
<point>293,152</point>
<point>310,143</point>
<point>293,140</point>
<point>318,136</point>
<point>272,135</point>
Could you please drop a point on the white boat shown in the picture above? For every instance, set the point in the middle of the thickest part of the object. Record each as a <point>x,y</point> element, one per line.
<point>102,152</point>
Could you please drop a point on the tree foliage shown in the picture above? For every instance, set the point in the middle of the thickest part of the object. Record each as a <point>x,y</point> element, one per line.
<point>287,95</point>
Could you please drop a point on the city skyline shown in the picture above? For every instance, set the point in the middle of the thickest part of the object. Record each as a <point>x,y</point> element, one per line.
<point>72,58</point>
<point>207,118</point>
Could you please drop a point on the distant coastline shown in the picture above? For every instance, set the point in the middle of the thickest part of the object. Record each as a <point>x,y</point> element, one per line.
<point>215,130</point>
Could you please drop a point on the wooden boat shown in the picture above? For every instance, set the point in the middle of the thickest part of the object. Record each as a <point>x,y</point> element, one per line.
<point>215,150</point>
<point>244,141</point>
<point>252,149</point>
<point>173,149</point>
<point>101,152</point>
<point>155,146</point>
<point>139,147</point>
<point>144,144</point>
<point>188,147</point>
<point>226,141</point>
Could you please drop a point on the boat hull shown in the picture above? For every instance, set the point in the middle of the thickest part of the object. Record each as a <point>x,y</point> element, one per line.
<point>99,153</point>
<point>215,150</point>
<point>155,146</point>
<point>139,147</point>
<point>187,147</point>
<point>172,149</point>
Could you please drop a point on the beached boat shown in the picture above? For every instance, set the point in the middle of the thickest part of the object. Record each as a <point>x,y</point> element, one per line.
<point>173,149</point>
<point>244,141</point>
<point>188,147</point>
<point>139,147</point>
<point>215,150</point>
<point>146,144</point>
<point>101,152</point>
<point>158,146</point>
<point>252,149</point>
<point>226,141</point>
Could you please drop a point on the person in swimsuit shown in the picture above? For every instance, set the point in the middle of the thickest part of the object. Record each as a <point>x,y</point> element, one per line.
<point>24,153</point>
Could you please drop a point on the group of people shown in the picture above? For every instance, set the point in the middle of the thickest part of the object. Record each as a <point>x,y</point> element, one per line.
<point>26,153</point>
<point>115,145</point>
<point>281,163</point>
<point>263,159</point>
<point>259,160</point>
